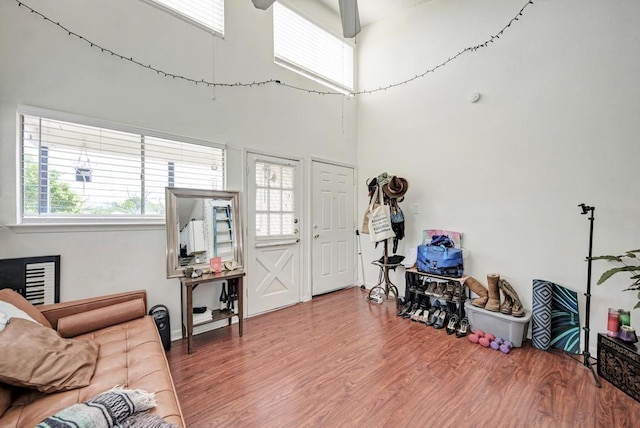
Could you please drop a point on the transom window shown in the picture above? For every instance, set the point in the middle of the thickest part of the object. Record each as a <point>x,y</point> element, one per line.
<point>80,171</point>
<point>205,13</point>
<point>305,48</point>
<point>274,200</point>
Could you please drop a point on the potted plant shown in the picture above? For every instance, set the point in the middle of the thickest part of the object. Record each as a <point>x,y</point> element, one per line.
<point>630,263</point>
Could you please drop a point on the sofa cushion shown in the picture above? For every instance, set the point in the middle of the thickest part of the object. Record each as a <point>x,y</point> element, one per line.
<point>34,356</point>
<point>5,397</point>
<point>84,322</point>
<point>14,298</point>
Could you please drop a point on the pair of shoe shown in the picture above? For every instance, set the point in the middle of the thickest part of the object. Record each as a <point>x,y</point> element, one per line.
<point>419,314</point>
<point>449,289</point>
<point>438,289</point>
<point>406,308</point>
<point>458,326</point>
<point>431,288</point>
<point>441,320</point>
<point>453,324</point>
<point>423,305</point>
<point>411,311</point>
<point>438,318</point>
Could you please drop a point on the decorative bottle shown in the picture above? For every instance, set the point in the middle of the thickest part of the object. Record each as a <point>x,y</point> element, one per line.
<point>234,298</point>
<point>224,299</point>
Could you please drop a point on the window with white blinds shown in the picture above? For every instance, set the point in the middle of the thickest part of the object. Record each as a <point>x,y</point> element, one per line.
<point>310,50</point>
<point>207,13</point>
<point>274,200</point>
<point>80,171</point>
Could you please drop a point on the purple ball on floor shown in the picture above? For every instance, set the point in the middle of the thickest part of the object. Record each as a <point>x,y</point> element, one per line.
<point>505,349</point>
<point>495,345</point>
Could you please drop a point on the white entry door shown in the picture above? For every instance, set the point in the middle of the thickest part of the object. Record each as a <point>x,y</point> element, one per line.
<point>332,227</point>
<point>273,238</point>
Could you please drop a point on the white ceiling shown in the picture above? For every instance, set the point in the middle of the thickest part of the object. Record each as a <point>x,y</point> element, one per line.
<point>375,10</point>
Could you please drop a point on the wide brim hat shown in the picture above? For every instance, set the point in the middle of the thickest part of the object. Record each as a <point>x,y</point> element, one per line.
<point>396,188</point>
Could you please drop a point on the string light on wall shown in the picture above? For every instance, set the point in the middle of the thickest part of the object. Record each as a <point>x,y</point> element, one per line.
<point>278,82</point>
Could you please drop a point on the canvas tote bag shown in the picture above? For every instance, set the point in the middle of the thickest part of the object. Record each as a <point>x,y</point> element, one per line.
<point>379,219</point>
<point>373,202</point>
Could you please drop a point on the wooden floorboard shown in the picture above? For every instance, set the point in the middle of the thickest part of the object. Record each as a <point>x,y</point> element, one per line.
<point>339,360</point>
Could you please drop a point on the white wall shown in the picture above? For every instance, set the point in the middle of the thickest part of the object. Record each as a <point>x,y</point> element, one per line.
<point>557,125</point>
<point>42,66</point>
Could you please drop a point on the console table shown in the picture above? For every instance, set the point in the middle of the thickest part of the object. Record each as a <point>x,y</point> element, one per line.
<point>186,302</point>
<point>619,363</point>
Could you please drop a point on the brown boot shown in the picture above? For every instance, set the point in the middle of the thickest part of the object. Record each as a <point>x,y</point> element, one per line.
<point>507,305</point>
<point>483,295</point>
<point>493,304</point>
<point>507,289</point>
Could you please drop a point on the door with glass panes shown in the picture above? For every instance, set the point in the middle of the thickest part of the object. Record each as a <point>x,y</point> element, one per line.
<point>273,238</point>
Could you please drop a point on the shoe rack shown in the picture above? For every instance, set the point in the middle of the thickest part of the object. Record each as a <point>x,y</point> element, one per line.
<point>425,291</point>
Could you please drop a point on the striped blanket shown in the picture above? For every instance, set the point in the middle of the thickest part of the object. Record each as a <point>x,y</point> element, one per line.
<point>116,408</point>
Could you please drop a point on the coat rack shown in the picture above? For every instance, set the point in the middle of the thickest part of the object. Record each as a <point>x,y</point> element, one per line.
<point>384,286</point>
<point>394,189</point>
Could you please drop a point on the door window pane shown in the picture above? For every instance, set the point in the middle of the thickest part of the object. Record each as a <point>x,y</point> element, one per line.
<point>275,202</point>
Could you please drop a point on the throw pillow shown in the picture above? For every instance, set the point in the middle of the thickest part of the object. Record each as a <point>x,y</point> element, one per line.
<point>8,311</point>
<point>14,298</point>
<point>106,410</point>
<point>35,356</point>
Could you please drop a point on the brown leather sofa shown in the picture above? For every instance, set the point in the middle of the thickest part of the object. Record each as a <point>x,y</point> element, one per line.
<point>131,355</point>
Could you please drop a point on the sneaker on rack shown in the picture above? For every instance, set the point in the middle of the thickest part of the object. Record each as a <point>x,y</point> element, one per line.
<point>431,288</point>
<point>449,290</point>
<point>457,293</point>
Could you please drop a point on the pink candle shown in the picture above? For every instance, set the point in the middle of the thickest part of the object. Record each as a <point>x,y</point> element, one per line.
<point>613,323</point>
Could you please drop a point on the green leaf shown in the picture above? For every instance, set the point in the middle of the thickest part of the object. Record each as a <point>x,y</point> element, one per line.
<point>608,274</point>
<point>611,258</point>
<point>630,254</point>
<point>637,305</point>
<point>633,251</point>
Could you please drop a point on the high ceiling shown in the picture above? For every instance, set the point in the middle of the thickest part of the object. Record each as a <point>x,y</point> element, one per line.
<point>375,10</point>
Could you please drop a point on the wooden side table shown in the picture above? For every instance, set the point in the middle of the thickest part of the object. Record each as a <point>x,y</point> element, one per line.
<point>619,363</point>
<point>186,302</point>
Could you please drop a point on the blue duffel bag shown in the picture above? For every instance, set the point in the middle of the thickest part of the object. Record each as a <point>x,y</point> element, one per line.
<point>440,258</point>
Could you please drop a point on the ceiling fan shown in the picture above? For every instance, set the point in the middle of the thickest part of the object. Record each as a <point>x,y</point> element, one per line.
<point>348,14</point>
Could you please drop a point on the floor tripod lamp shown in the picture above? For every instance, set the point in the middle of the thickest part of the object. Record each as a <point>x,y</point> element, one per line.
<point>585,353</point>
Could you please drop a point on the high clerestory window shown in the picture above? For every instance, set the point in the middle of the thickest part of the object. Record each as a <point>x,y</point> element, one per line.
<point>305,48</point>
<point>208,14</point>
<point>73,171</point>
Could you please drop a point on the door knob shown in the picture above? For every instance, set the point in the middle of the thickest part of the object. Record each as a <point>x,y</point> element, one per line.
<point>317,235</point>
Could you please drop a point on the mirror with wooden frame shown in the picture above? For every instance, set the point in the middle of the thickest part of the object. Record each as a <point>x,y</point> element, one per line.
<point>202,224</point>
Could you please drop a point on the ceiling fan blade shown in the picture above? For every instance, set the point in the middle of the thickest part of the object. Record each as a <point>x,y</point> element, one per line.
<point>350,17</point>
<point>263,4</point>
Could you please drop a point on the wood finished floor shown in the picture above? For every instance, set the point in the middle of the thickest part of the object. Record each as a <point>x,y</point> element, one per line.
<point>339,361</point>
